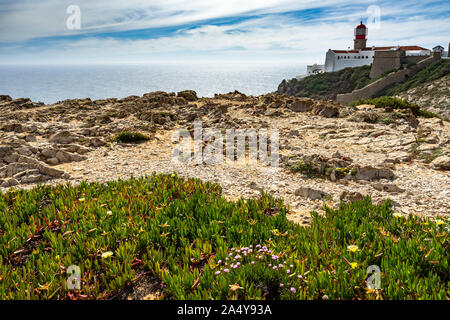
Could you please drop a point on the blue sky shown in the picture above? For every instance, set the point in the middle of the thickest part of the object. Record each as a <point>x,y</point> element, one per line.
<point>284,31</point>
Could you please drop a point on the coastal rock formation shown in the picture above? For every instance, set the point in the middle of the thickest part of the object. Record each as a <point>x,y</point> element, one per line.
<point>328,153</point>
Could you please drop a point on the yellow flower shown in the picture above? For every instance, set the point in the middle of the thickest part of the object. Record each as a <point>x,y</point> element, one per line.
<point>353,265</point>
<point>352,248</point>
<point>397,215</point>
<point>109,213</point>
<point>81,199</point>
<point>107,254</point>
<point>439,222</point>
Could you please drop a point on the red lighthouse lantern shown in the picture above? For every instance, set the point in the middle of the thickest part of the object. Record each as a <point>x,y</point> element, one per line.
<point>361,32</point>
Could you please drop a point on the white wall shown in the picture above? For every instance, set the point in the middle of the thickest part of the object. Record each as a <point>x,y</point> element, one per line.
<point>345,60</point>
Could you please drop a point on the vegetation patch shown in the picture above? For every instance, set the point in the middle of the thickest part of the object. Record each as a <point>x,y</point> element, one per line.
<point>317,166</point>
<point>392,103</point>
<point>433,72</point>
<point>327,85</point>
<point>130,137</point>
<point>198,245</point>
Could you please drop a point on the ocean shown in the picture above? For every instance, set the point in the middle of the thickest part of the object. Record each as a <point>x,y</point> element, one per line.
<point>52,83</point>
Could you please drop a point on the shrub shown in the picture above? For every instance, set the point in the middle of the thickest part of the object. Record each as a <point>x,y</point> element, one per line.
<point>201,246</point>
<point>327,85</point>
<point>130,137</point>
<point>395,103</point>
<point>433,72</point>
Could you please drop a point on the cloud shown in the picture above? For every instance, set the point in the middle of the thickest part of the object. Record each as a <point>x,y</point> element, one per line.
<point>264,30</point>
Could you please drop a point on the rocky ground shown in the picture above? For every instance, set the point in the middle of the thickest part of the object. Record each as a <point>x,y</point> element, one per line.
<point>328,153</point>
<point>433,96</point>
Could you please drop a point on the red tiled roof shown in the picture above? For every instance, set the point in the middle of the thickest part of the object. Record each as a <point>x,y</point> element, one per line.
<point>402,48</point>
<point>345,51</point>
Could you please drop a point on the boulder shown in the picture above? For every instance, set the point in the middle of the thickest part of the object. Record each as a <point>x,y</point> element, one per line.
<point>398,157</point>
<point>369,173</point>
<point>309,193</point>
<point>326,110</point>
<point>302,105</point>
<point>441,163</point>
<point>350,196</point>
<point>96,142</point>
<point>9,183</point>
<point>387,187</point>
<point>189,95</point>
<point>63,137</point>
<point>5,151</point>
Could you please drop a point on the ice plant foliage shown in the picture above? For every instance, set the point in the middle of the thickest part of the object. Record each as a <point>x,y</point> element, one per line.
<point>198,245</point>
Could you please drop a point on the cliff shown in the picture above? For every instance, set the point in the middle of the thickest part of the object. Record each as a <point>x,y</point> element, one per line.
<point>428,88</point>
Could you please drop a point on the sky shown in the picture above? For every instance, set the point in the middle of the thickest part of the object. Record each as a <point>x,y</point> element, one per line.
<point>198,31</point>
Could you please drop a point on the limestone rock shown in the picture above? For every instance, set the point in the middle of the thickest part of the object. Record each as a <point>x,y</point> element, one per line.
<point>189,95</point>
<point>387,187</point>
<point>5,151</point>
<point>441,163</point>
<point>369,173</point>
<point>63,137</point>
<point>302,105</point>
<point>309,193</point>
<point>350,196</point>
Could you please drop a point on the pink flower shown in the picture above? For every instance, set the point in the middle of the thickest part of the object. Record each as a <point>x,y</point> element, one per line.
<point>219,262</point>
<point>280,266</point>
<point>281,285</point>
<point>253,262</point>
<point>293,290</point>
<point>218,272</point>
<point>274,268</point>
<point>232,249</point>
<point>237,257</point>
<point>291,266</point>
<point>288,271</point>
<point>300,276</point>
<point>226,270</point>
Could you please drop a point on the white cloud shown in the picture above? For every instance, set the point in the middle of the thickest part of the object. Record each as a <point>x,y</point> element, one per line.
<point>28,19</point>
<point>268,37</point>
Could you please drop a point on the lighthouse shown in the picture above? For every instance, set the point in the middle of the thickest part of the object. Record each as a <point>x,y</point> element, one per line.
<point>360,37</point>
<point>362,55</point>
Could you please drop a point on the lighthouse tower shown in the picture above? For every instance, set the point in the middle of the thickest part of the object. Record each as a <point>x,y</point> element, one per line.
<point>360,37</point>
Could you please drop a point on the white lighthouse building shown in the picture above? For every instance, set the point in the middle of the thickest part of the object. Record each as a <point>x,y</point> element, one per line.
<point>361,55</point>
